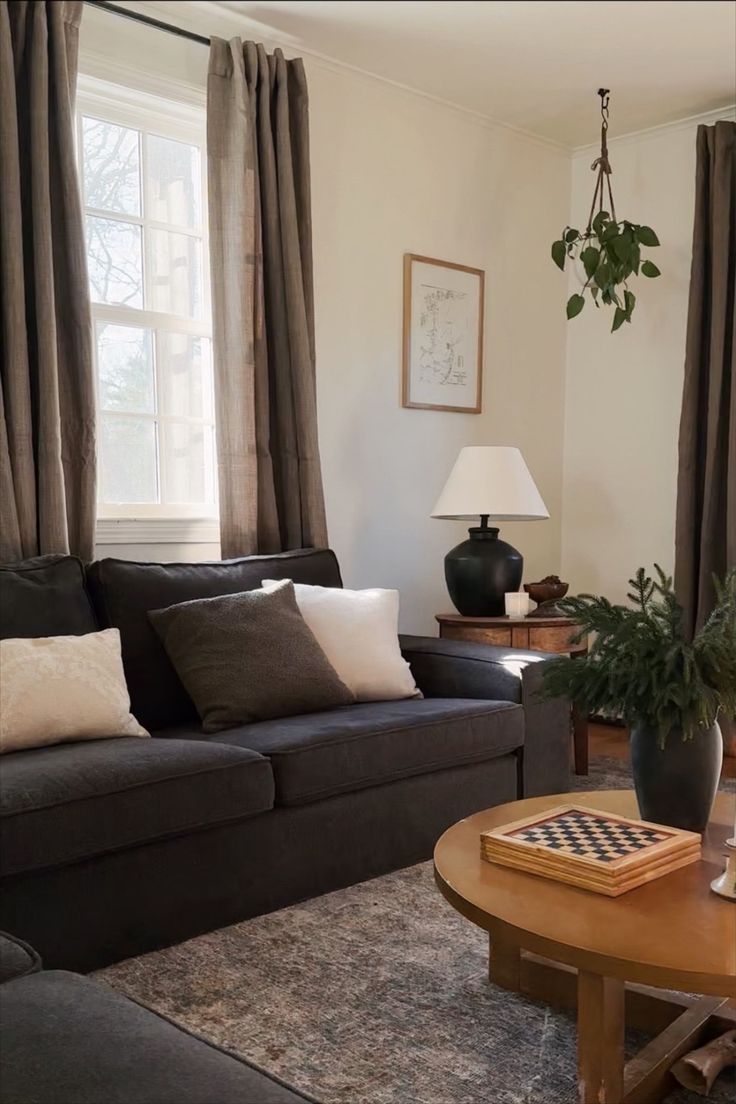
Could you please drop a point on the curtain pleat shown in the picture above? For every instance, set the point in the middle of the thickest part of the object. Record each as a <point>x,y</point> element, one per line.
<point>705,533</point>
<point>47,397</point>
<point>270,479</point>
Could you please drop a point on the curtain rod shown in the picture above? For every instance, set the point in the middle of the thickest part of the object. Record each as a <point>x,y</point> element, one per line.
<point>138,17</point>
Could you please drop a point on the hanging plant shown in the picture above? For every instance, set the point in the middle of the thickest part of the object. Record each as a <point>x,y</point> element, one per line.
<point>608,250</point>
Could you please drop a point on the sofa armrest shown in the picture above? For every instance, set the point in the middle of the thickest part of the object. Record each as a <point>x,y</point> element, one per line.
<point>458,669</point>
<point>16,958</point>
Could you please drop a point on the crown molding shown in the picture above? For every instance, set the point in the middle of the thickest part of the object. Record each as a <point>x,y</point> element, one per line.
<point>213,17</point>
<point>705,118</point>
<point>209,17</point>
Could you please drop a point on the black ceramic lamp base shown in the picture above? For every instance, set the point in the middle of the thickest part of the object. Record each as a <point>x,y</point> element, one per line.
<point>480,571</point>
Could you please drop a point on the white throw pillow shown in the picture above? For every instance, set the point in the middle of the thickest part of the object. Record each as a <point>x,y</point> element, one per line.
<point>358,630</point>
<point>54,689</point>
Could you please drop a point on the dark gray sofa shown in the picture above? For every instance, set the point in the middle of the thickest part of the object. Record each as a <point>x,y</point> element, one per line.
<point>110,848</point>
<point>69,1040</point>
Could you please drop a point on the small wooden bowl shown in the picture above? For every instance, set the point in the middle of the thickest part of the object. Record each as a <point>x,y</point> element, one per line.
<point>546,592</point>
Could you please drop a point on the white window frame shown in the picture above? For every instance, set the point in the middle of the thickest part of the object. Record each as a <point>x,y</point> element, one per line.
<point>131,107</point>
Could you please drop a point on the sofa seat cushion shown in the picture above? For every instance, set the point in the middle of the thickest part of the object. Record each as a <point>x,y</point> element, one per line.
<point>73,801</point>
<point>363,745</point>
<point>70,1040</point>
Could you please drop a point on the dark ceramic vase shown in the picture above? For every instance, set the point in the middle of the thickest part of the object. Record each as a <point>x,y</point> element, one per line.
<point>676,785</point>
<point>479,571</point>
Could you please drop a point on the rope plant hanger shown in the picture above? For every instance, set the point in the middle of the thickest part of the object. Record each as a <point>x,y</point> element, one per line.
<point>608,252</point>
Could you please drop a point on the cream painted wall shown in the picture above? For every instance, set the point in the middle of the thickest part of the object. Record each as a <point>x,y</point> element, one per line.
<point>395,172</point>
<point>623,390</point>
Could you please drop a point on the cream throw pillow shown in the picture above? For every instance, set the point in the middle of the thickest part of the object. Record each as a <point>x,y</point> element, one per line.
<point>54,689</point>
<point>358,630</point>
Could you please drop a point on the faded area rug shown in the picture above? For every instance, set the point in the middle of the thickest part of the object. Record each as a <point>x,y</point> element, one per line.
<point>377,994</point>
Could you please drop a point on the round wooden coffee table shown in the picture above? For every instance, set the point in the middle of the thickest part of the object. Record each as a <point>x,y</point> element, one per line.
<point>607,956</point>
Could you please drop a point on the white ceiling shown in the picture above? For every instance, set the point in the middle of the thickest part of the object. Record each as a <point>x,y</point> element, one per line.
<point>532,64</point>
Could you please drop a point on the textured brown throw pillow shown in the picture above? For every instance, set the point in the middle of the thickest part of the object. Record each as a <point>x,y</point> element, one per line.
<point>248,657</point>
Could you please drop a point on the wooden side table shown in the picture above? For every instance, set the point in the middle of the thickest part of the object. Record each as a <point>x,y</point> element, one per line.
<point>536,634</point>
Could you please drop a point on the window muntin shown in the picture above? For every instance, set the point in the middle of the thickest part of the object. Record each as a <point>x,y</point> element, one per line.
<point>143,191</point>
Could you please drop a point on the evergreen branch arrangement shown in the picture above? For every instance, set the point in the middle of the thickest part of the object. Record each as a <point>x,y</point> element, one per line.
<point>610,253</point>
<point>642,667</point>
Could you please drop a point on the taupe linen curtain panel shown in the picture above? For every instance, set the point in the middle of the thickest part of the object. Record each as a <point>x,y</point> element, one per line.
<point>263,302</point>
<point>705,536</point>
<point>47,404</point>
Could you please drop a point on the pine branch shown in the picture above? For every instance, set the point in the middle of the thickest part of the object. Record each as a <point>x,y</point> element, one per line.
<point>641,666</point>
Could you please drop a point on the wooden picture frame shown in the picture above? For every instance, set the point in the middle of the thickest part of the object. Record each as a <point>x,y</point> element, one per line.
<point>438,307</point>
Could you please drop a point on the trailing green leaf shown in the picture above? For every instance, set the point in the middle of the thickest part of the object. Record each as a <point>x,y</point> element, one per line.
<point>558,254</point>
<point>609,252</point>
<point>619,317</point>
<point>623,246</point>
<point>646,236</point>
<point>599,222</point>
<point>603,274</point>
<point>590,258</point>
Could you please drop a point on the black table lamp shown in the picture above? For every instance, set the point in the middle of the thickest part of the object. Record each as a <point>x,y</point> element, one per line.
<point>490,482</point>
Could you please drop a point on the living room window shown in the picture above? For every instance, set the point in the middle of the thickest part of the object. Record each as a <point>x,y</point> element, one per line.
<point>142,169</point>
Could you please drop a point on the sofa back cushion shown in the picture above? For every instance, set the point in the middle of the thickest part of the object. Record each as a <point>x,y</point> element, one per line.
<point>45,596</point>
<point>124,591</point>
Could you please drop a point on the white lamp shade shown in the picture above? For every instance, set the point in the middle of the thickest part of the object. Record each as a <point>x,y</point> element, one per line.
<point>493,480</point>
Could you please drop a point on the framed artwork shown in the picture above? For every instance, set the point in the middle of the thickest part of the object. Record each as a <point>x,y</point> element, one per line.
<point>443,335</point>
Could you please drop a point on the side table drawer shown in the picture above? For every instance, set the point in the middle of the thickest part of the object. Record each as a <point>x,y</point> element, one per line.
<point>518,634</point>
<point>554,638</point>
<point>500,636</point>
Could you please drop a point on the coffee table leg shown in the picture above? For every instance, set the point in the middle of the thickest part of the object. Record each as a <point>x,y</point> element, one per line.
<point>504,963</point>
<point>580,731</point>
<point>580,741</point>
<point>600,1039</point>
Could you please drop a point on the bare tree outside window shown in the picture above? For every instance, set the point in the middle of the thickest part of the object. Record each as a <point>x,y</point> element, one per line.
<point>143,195</point>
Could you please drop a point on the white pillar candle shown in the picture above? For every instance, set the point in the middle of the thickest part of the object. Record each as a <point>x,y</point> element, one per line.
<point>517,603</point>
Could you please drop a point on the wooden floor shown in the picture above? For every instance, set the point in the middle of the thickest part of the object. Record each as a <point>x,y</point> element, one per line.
<point>614,741</point>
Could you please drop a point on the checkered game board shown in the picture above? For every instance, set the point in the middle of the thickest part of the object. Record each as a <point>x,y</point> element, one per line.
<point>589,835</point>
<point>590,849</point>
